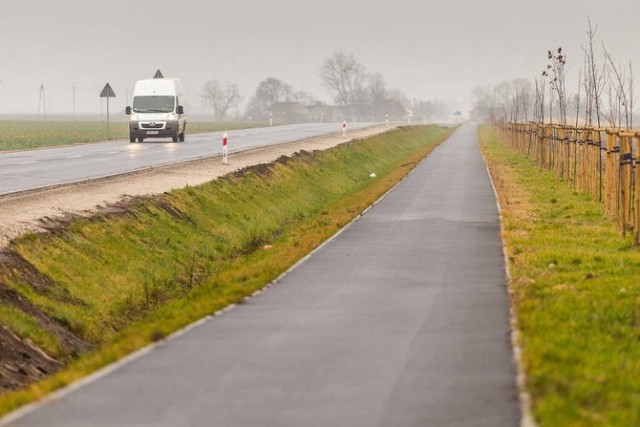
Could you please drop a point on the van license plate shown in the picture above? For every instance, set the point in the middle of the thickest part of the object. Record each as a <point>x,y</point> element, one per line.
<point>152,132</point>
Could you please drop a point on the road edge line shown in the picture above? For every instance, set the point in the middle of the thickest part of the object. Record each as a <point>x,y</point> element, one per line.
<point>526,415</point>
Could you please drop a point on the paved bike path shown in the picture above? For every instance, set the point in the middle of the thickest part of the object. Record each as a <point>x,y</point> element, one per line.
<point>401,320</point>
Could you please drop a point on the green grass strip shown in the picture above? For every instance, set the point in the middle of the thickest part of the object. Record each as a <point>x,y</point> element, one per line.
<point>27,134</point>
<point>121,281</point>
<point>575,288</point>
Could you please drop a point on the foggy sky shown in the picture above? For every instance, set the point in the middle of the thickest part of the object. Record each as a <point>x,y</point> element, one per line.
<point>426,48</point>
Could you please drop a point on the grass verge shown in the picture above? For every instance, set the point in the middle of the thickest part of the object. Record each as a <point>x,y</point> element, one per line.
<point>27,134</point>
<point>121,281</point>
<point>576,293</point>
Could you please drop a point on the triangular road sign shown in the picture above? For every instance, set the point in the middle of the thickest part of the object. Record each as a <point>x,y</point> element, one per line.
<point>107,92</point>
<point>158,75</point>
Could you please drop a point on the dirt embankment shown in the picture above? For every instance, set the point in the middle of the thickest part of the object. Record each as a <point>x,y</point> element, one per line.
<point>43,210</point>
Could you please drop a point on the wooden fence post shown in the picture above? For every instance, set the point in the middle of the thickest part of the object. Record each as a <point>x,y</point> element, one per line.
<point>626,171</point>
<point>591,163</point>
<point>580,159</point>
<point>549,147</point>
<point>596,160</point>
<point>576,156</point>
<point>636,192</point>
<point>611,181</point>
<point>570,140</point>
<point>538,141</point>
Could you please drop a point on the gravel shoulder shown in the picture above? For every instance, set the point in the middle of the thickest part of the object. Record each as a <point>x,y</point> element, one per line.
<point>40,210</point>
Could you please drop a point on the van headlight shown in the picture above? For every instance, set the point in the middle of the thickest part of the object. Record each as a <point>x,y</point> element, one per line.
<point>171,116</point>
<point>134,117</point>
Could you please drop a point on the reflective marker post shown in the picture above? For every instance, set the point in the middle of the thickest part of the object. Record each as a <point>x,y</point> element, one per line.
<point>225,153</point>
<point>344,128</point>
<point>386,120</point>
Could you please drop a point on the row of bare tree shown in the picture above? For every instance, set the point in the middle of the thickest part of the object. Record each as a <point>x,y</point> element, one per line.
<point>604,95</point>
<point>358,93</point>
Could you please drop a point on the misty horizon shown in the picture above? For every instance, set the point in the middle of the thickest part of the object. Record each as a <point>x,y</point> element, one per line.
<point>427,50</point>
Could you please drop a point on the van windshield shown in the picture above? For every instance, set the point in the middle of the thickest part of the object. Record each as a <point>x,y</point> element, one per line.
<point>153,104</point>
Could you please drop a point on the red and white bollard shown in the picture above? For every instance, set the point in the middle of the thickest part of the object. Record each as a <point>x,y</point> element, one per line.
<point>225,152</point>
<point>344,128</point>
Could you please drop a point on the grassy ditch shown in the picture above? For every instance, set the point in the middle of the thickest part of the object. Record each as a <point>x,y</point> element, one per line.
<point>576,292</point>
<point>119,281</point>
<point>26,134</point>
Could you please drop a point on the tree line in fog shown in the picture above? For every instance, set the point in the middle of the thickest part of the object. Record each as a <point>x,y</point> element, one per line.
<point>357,95</point>
<point>601,96</point>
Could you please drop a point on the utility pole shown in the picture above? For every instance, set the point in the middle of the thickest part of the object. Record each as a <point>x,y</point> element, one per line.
<point>42,102</point>
<point>73,90</point>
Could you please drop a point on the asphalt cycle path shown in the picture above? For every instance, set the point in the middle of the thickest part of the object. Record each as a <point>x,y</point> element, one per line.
<point>400,320</point>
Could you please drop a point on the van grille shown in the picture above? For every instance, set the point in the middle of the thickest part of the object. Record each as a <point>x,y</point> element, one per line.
<point>152,125</point>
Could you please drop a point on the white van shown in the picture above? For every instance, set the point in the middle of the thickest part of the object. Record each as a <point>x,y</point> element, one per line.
<point>157,112</point>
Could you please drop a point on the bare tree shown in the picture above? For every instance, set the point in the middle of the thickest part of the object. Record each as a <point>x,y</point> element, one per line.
<point>502,95</point>
<point>576,104</point>
<point>593,79</point>
<point>221,97</point>
<point>588,93</point>
<point>539,103</point>
<point>508,101</point>
<point>483,104</point>
<point>343,76</point>
<point>371,100</point>
<point>377,95</point>
<point>303,97</point>
<point>268,92</point>
<point>555,72</point>
<point>521,100</point>
<point>620,93</point>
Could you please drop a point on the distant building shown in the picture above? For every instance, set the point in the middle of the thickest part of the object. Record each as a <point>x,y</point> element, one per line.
<point>326,113</point>
<point>290,112</point>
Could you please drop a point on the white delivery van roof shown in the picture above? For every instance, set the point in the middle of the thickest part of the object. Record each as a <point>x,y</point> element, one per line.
<point>157,87</point>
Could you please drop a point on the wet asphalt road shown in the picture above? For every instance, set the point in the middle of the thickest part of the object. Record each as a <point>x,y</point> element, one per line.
<point>401,320</point>
<point>30,169</point>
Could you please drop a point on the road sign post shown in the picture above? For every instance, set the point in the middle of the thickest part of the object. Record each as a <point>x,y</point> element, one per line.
<point>107,92</point>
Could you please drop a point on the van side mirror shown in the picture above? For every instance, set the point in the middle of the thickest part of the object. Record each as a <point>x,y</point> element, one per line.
<point>127,111</point>
<point>180,109</point>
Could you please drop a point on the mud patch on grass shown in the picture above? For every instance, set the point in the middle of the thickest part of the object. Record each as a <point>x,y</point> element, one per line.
<point>12,263</point>
<point>261,169</point>
<point>21,363</point>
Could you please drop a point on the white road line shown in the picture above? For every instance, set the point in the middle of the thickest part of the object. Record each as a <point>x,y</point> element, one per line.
<point>112,152</point>
<point>77,156</point>
<point>28,163</point>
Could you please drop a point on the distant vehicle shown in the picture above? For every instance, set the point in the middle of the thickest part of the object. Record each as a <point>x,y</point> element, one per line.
<point>156,111</point>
